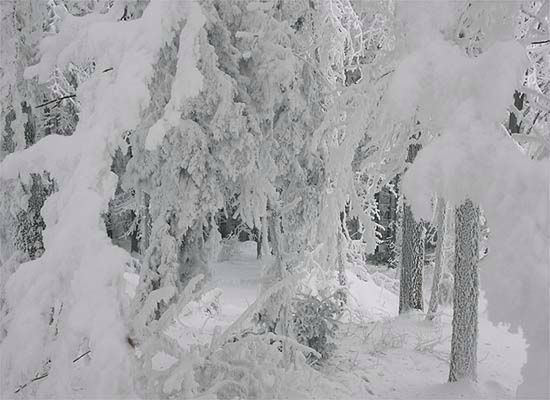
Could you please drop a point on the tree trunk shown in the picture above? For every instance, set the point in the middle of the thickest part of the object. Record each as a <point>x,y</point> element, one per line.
<point>257,235</point>
<point>412,255</point>
<point>283,322</point>
<point>440,226</point>
<point>145,225</point>
<point>466,293</point>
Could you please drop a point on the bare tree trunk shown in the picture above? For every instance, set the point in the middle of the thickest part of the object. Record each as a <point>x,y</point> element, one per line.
<point>466,293</point>
<point>440,226</point>
<point>412,255</point>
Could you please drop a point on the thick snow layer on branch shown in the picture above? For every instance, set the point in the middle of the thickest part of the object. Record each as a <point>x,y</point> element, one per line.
<point>81,271</point>
<point>450,88</point>
<point>188,80</point>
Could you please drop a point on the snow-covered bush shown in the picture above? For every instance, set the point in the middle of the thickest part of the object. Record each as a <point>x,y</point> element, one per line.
<point>315,322</point>
<point>252,366</point>
<point>239,362</point>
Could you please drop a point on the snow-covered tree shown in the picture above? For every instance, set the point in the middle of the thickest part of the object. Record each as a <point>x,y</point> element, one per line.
<point>473,137</point>
<point>77,282</point>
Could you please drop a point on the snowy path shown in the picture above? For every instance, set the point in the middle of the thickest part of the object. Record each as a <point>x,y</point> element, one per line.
<point>239,279</point>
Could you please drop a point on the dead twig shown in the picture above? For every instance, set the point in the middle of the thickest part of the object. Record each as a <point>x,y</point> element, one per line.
<point>82,355</point>
<point>31,381</point>
<point>58,100</point>
<point>45,374</point>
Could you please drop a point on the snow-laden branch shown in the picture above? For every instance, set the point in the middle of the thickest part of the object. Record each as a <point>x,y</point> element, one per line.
<point>80,265</point>
<point>187,81</point>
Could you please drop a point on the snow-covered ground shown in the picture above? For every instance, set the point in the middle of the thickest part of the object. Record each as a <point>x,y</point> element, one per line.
<point>379,354</point>
<point>407,357</point>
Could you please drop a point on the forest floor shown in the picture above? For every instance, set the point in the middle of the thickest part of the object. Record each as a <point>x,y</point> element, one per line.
<point>379,354</point>
<point>406,357</point>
